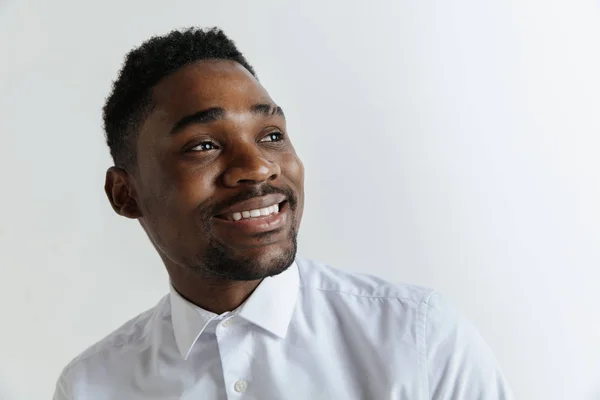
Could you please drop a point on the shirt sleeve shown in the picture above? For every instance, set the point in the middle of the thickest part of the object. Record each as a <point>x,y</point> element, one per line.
<point>459,364</point>
<point>61,392</point>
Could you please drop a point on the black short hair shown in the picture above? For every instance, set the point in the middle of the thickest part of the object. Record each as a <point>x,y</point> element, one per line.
<point>130,101</point>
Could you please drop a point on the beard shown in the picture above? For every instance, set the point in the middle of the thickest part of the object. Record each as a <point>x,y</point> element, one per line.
<point>218,260</point>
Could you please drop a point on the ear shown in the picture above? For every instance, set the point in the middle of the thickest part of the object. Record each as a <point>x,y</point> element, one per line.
<point>121,193</point>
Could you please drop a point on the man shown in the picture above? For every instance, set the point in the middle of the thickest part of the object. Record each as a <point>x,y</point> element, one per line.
<point>204,162</point>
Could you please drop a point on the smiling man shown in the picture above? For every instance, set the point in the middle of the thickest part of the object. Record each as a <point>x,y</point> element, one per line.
<point>203,160</point>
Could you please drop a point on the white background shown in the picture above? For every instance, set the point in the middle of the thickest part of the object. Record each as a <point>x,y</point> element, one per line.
<point>450,144</point>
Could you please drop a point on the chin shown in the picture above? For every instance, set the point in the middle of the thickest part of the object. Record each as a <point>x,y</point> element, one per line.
<point>267,261</point>
<point>249,264</point>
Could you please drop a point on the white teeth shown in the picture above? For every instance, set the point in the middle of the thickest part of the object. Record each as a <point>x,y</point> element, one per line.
<point>260,212</point>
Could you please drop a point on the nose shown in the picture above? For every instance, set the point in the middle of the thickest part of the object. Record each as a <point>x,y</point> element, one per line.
<point>249,166</point>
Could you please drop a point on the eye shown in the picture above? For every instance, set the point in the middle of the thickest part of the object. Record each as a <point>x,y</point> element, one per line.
<point>204,146</point>
<point>273,137</point>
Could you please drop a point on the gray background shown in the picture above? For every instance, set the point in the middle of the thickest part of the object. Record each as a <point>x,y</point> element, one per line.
<point>450,144</point>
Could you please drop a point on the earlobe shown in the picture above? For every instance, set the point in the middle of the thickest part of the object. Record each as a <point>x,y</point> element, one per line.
<point>121,193</point>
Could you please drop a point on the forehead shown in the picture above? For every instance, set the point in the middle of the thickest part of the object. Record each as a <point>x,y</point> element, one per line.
<point>205,84</point>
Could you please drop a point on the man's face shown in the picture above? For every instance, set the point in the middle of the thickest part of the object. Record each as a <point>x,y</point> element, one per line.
<point>213,154</point>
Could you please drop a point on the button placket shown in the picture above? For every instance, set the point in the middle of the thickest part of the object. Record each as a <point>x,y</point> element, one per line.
<point>234,348</point>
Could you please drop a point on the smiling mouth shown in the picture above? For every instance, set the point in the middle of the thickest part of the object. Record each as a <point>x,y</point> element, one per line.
<point>254,214</point>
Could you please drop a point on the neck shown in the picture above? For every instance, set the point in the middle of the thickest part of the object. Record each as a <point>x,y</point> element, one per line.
<point>212,294</point>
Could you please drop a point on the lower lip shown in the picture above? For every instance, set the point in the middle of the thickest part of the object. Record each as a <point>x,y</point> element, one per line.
<point>263,224</point>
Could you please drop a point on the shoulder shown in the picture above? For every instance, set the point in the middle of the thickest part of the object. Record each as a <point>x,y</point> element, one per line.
<point>456,353</point>
<point>333,282</point>
<point>131,334</point>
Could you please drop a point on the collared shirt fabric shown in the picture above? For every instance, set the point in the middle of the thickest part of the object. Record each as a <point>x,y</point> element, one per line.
<point>311,332</point>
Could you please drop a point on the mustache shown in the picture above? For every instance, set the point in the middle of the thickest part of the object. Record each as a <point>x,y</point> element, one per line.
<point>250,193</point>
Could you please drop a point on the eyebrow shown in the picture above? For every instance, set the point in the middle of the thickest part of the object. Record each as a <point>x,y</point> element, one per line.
<point>216,113</point>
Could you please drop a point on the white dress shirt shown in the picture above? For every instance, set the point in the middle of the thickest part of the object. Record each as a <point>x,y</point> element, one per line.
<point>312,332</point>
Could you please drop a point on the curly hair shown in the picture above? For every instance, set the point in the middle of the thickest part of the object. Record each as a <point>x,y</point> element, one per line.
<point>130,100</point>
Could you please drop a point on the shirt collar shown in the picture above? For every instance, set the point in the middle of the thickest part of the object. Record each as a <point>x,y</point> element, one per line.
<point>270,306</point>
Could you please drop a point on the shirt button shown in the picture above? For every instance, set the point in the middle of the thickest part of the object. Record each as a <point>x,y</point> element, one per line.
<point>240,386</point>
<point>226,323</point>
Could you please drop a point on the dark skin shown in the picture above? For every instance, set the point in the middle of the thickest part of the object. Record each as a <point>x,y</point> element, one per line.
<point>214,143</point>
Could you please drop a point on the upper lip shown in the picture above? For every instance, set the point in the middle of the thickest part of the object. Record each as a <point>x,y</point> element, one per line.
<point>254,203</point>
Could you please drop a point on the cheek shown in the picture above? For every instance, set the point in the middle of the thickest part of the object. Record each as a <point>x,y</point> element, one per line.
<point>294,171</point>
<point>190,190</point>
<point>174,193</point>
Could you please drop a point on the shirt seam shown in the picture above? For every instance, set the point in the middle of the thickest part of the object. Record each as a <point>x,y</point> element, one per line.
<point>365,296</point>
<point>425,316</point>
<point>103,348</point>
